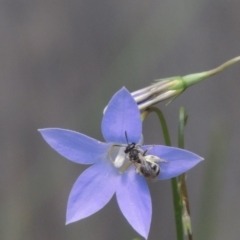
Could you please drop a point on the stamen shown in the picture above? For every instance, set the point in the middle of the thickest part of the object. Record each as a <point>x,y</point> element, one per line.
<point>117,155</point>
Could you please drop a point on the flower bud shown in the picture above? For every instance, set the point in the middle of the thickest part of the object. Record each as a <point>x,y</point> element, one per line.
<point>170,88</point>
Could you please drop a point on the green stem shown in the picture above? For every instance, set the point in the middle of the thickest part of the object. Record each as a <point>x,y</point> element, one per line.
<point>182,122</point>
<point>224,66</point>
<point>182,178</point>
<point>197,77</point>
<point>177,208</point>
<point>174,182</point>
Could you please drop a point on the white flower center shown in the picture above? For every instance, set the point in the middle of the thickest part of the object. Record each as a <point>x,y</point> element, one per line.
<point>117,156</point>
<point>120,158</point>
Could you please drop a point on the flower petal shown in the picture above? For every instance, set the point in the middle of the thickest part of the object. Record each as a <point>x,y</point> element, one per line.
<point>122,115</point>
<point>177,160</point>
<point>75,146</point>
<point>92,191</point>
<point>134,201</point>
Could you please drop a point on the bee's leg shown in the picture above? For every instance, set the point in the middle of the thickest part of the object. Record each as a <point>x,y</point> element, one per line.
<point>138,169</point>
<point>144,153</point>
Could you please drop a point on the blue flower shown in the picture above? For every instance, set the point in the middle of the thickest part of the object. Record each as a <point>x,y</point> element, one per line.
<point>111,172</point>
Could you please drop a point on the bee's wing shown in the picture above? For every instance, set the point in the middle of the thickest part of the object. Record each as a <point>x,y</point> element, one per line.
<point>153,158</point>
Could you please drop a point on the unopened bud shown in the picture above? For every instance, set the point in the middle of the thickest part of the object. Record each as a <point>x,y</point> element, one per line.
<point>170,88</point>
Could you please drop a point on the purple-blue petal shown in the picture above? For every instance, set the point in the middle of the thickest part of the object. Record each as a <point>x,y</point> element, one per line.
<point>122,114</point>
<point>134,201</point>
<point>92,191</point>
<point>75,146</point>
<point>177,160</point>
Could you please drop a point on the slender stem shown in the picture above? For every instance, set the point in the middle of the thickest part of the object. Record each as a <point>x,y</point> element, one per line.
<point>194,78</point>
<point>177,209</point>
<point>223,66</point>
<point>182,178</point>
<point>174,182</point>
<point>182,122</point>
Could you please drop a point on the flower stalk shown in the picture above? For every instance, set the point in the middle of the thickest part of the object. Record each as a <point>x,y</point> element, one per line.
<point>186,219</point>
<point>177,203</point>
<point>170,88</point>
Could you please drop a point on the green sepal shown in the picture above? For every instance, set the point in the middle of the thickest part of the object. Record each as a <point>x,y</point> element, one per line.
<point>164,79</point>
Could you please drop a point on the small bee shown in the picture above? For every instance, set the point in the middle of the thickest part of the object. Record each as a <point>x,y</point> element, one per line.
<point>146,165</point>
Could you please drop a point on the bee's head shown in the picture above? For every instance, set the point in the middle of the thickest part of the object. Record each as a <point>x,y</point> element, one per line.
<point>130,147</point>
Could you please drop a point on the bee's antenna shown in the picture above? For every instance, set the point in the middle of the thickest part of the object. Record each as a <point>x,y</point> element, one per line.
<point>126,136</point>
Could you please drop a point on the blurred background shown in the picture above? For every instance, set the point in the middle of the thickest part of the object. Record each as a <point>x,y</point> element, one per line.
<point>60,63</point>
